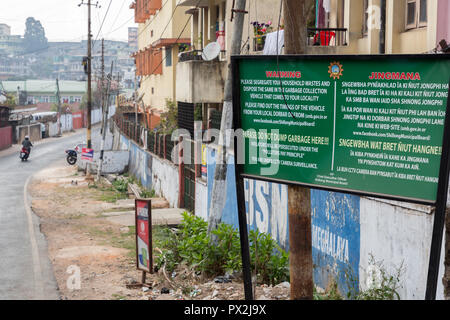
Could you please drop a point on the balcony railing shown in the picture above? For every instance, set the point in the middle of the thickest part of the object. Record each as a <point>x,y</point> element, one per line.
<point>197,55</point>
<point>190,55</point>
<point>325,37</point>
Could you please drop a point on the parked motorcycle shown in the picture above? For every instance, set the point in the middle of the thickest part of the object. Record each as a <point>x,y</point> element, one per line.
<point>24,154</point>
<point>72,157</point>
<point>72,154</point>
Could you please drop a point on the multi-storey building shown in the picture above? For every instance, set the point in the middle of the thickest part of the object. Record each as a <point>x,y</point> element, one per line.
<point>162,29</point>
<point>132,38</point>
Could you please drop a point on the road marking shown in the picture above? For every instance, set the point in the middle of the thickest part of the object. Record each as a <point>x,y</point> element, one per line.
<point>38,280</point>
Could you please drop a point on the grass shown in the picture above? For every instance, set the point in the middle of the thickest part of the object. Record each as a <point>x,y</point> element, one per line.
<point>110,194</point>
<point>116,239</point>
<point>117,296</point>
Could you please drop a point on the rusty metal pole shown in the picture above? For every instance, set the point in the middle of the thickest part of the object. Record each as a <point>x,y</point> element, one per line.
<point>299,198</point>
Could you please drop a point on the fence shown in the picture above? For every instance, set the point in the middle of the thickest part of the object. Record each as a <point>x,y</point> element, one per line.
<point>157,143</point>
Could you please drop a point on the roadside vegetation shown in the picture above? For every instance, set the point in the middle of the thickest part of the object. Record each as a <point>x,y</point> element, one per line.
<point>190,245</point>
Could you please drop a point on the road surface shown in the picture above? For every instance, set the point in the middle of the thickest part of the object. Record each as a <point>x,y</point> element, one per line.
<point>25,269</point>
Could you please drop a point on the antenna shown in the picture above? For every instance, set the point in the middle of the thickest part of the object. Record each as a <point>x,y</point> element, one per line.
<point>211,51</point>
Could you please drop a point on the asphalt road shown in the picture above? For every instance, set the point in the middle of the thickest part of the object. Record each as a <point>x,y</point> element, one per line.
<point>25,269</point>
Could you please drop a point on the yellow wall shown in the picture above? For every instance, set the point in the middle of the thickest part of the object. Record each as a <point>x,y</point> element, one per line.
<point>398,39</point>
<point>164,84</point>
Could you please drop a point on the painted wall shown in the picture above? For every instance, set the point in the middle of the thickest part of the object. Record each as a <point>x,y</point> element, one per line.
<point>5,137</point>
<point>153,172</point>
<point>443,23</point>
<point>113,162</point>
<point>346,231</point>
<point>66,122</point>
<point>335,221</point>
<point>33,131</point>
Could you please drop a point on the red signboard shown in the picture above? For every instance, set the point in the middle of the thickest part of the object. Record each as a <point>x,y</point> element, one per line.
<point>143,213</point>
<point>87,154</point>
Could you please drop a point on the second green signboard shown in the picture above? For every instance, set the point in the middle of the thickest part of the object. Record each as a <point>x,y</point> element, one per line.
<point>371,125</point>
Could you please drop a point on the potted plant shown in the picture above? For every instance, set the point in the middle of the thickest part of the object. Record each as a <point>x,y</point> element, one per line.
<point>260,30</point>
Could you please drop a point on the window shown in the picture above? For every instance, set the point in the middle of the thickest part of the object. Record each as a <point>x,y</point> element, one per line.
<point>365,28</point>
<point>416,14</point>
<point>168,56</point>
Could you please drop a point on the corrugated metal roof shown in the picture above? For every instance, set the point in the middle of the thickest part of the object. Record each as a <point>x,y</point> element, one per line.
<point>45,86</point>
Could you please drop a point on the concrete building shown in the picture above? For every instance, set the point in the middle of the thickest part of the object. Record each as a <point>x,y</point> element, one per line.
<point>5,30</point>
<point>162,29</point>
<point>412,26</point>
<point>201,83</point>
<point>132,38</point>
<point>44,91</point>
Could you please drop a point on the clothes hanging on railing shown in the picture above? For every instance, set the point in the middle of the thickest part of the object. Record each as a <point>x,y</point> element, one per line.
<point>270,46</point>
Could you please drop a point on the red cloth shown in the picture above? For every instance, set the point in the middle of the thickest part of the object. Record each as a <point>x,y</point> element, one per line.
<point>325,37</point>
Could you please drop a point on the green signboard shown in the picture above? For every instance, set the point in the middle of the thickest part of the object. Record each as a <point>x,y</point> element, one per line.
<point>364,124</point>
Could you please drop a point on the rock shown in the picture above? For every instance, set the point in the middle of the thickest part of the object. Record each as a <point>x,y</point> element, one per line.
<point>215,293</point>
<point>124,230</point>
<point>267,290</point>
<point>234,296</point>
<point>165,291</point>
<point>285,285</point>
<point>222,279</point>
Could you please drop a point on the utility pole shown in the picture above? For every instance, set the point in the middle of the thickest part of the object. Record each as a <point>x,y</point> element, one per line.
<point>135,97</point>
<point>219,184</point>
<point>299,198</point>
<point>59,107</point>
<point>103,82</point>
<point>89,72</point>
<point>220,174</point>
<point>105,107</point>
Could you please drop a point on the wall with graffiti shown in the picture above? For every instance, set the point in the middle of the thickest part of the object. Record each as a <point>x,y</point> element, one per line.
<point>152,172</point>
<point>347,232</point>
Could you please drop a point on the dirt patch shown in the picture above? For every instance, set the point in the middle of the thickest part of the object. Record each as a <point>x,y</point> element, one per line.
<point>74,220</point>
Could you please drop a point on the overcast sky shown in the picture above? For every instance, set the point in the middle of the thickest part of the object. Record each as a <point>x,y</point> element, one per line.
<point>63,20</point>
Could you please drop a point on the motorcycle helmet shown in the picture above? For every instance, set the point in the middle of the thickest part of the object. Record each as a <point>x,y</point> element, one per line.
<point>27,137</point>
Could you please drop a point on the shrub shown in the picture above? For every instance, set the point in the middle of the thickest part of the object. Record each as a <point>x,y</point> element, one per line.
<point>191,245</point>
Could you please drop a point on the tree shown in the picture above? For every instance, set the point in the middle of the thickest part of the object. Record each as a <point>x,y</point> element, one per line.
<point>34,35</point>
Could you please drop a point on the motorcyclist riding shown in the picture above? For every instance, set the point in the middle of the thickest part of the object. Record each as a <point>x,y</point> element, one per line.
<point>27,144</point>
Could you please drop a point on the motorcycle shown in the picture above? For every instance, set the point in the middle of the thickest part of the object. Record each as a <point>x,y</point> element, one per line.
<point>72,157</point>
<point>72,154</point>
<point>24,154</point>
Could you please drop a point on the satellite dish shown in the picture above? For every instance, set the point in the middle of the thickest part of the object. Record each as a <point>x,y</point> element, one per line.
<point>211,51</point>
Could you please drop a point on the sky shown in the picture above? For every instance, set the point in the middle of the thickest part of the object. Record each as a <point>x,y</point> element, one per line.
<point>64,20</point>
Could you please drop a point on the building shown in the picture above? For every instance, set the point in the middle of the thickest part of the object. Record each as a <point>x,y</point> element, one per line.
<point>44,91</point>
<point>132,38</point>
<point>355,27</point>
<point>200,83</point>
<point>162,30</point>
<point>5,30</point>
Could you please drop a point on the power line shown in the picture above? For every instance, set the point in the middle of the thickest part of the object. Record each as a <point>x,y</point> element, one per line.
<point>117,17</point>
<point>101,26</point>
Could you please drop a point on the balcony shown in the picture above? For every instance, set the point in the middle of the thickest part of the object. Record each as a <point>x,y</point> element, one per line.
<point>327,37</point>
<point>199,81</point>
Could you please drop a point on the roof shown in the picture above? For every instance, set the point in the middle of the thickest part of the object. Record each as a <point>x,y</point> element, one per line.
<point>45,86</point>
<point>165,42</point>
